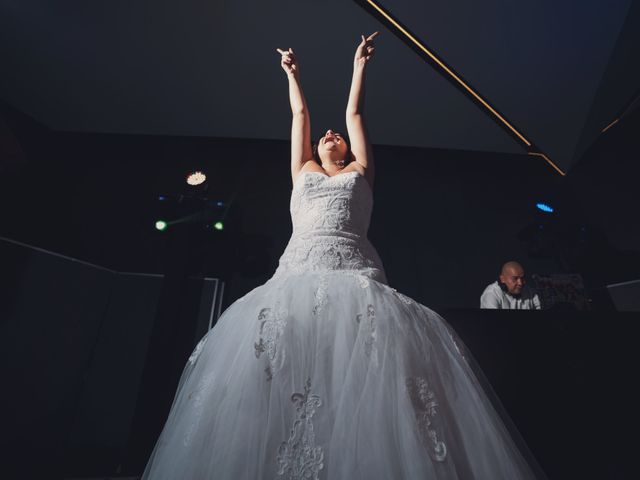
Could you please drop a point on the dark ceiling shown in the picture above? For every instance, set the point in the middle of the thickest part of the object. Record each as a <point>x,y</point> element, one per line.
<point>559,71</point>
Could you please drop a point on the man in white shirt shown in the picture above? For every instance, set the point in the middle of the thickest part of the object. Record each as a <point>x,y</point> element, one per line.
<point>509,292</point>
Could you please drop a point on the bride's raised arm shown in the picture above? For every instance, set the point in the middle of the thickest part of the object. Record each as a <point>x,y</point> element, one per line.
<point>301,124</point>
<point>360,145</point>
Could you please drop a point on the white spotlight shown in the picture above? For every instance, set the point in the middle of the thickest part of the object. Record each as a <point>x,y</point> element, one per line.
<point>196,178</point>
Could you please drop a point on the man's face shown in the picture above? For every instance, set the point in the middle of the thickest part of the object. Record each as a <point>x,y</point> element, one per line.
<point>513,278</point>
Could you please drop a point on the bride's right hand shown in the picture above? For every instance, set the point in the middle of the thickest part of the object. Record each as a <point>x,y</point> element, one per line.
<point>288,61</point>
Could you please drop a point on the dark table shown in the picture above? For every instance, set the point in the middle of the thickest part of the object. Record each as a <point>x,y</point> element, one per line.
<point>568,380</point>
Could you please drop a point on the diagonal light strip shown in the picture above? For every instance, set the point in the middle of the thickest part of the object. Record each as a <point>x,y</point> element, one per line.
<point>626,109</point>
<point>548,160</point>
<point>610,125</point>
<point>395,25</point>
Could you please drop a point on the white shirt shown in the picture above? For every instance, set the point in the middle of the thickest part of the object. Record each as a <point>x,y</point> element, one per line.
<point>494,297</point>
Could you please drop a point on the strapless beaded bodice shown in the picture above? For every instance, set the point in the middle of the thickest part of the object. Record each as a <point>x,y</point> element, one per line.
<point>330,217</point>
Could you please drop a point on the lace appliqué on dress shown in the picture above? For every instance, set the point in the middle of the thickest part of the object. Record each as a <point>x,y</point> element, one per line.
<point>369,322</point>
<point>196,352</point>
<point>298,457</point>
<point>362,280</point>
<point>330,217</point>
<point>197,400</point>
<point>406,300</point>
<point>425,404</point>
<point>272,323</point>
<point>320,297</point>
<point>328,253</point>
<point>459,348</point>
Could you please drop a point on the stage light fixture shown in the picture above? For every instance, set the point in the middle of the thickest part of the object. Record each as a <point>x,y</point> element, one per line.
<point>196,178</point>
<point>544,207</point>
<point>218,226</point>
<point>161,225</point>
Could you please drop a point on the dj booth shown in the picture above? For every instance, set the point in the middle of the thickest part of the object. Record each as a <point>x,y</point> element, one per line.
<point>568,380</point>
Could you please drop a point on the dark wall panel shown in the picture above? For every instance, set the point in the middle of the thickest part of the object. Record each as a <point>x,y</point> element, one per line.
<point>50,324</point>
<point>108,399</point>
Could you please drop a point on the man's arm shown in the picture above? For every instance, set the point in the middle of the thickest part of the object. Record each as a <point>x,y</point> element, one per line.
<point>489,299</point>
<point>536,302</point>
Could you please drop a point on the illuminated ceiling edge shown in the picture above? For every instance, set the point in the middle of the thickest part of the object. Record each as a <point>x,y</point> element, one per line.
<point>397,28</point>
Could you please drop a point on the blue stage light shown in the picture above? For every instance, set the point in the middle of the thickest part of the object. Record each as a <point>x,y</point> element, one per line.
<point>544,207</point>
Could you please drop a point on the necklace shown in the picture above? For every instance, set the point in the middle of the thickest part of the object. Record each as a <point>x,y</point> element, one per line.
<point>338,163</point>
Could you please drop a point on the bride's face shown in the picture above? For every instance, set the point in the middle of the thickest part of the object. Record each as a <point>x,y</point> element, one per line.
<point>332,146</point>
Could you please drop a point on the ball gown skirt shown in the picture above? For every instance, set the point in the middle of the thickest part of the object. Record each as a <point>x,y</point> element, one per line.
<point>326,372</point>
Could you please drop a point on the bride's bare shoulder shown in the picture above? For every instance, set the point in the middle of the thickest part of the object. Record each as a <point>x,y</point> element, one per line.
<point>367,173</point>
<point>308,166</point>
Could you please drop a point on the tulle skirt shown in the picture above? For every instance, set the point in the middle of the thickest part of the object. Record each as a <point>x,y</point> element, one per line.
<point>333,376</point>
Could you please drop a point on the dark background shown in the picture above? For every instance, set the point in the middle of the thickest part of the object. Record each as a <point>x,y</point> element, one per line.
<point>105,107</point>
<point>91,353</point>
<point>444,220</point>
<point>560,72</point>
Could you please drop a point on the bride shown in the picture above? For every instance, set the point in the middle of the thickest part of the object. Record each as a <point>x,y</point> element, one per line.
<point>326,372</point>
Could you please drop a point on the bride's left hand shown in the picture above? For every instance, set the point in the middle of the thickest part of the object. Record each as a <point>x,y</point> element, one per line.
<point>365,50</point>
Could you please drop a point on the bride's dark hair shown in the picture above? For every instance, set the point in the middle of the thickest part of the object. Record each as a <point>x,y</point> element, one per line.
<point>316,156</point>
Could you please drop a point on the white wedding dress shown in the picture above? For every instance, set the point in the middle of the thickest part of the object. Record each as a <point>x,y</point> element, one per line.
<point>326,372</point>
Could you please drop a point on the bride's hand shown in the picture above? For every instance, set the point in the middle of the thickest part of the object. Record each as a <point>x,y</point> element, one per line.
<point>288,61</point>
<point>365,50</point>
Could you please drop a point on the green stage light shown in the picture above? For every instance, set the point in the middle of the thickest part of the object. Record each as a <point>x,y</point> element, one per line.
<point>161,225</point>
<point>218,226</point>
